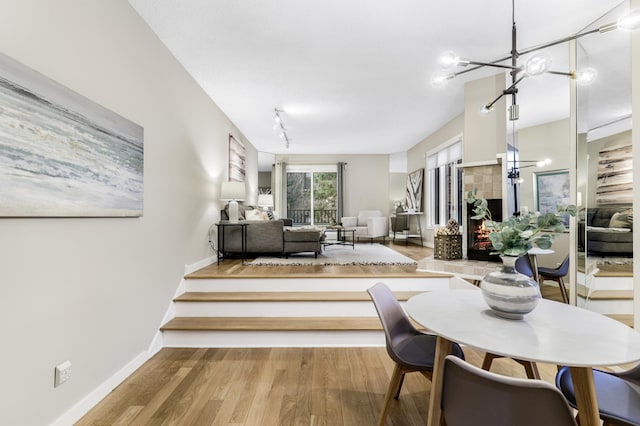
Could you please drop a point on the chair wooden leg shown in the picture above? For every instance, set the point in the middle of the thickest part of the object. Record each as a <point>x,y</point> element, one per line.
<point>397,391</point>
<point>563,290</point>
<point>488,359</point>
<point>531,368</point>
<point>396,380</point>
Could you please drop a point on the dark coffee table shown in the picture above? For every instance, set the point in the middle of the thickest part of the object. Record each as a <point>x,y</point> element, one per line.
<point>342,237</point>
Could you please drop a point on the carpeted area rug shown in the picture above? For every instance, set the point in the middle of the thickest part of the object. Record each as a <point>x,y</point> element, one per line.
<point>363,254</point>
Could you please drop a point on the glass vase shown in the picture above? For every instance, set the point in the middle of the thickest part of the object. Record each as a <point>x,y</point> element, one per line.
<point>509,293</point>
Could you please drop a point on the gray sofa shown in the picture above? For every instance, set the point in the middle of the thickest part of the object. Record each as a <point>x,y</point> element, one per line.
<point>263,236</point>
<point>275,237</point>
<point>607,230</point>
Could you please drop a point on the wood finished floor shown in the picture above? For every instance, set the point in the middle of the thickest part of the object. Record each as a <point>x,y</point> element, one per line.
<point>272,386</point>
<point>233,268</point>
<point>278,386</point>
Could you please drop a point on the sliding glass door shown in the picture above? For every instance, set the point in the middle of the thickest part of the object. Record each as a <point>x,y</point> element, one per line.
<point>312,194</point>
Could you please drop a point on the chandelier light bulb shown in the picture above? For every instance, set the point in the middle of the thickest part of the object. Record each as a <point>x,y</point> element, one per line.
<point>486,109</point>
<point>537,64</point>
<point>544,162</point>
<point>586,76</point>
<point>631,21</point>
<point>439,79</point>
<point>448,59</point>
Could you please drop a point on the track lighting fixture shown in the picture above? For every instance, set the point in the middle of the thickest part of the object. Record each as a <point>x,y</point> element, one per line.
<point>279,127</point>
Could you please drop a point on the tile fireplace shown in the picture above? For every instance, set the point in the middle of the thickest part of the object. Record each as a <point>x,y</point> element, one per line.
<point>478,244</point>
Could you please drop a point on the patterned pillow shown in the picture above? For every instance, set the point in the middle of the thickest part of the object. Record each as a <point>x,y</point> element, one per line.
<point>621,220</point>
<point>255,214</point>
<point>270,214</point>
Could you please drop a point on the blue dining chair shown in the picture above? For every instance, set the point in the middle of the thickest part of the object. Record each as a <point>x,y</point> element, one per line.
<point>411,350</point>
<point>523,265</point>
<point>618,394</point>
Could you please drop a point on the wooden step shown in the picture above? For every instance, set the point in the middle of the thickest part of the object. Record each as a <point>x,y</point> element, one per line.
<point>272,324</point>
<point>604,294</point>
<point>290,296</point>
<point>625,319</point>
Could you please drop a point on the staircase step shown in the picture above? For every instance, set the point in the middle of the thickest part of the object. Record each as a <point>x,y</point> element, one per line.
<point>605,294</point>
<point>624,318</point>
<point>273,324</point>
<point>290,296</point>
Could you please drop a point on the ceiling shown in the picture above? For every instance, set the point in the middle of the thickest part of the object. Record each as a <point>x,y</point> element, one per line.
<point>354,76</point>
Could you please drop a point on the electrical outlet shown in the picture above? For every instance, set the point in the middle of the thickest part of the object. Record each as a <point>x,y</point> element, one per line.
<point>62,373</point>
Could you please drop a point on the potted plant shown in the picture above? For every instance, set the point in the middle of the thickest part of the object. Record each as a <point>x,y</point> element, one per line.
<point>507,292</point>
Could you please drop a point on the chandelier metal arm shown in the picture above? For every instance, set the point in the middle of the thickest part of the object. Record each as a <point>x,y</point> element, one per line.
<point>492,64</point>
<point>511,90</point>
<point>566,74</point>
<point>564,40</point>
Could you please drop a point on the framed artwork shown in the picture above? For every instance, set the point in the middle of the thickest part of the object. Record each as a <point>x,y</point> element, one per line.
<point>414,190</point>
<point>63,155</point>
<point>552,188</point>
<point>614,184</point>
<point>236,160</point>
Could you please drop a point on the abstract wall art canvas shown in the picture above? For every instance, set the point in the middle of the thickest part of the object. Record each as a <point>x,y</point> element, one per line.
<point>414,190</point>
<point>614,184</point>
<point>63,155</point>
<point>236,160</point>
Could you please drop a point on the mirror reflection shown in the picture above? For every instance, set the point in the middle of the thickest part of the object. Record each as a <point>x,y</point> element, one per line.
<point>604,175</point>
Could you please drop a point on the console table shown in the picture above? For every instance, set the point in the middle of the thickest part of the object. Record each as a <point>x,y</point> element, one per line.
<point>243,229</point>
<point>409,216</point>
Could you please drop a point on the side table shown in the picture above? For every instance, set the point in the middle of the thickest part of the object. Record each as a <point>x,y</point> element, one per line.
<point>417,216</point>
<point>243,230</point>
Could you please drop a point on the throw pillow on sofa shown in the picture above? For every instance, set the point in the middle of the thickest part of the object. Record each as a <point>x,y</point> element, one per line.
<point>621,219</point>
<point>255,214</point>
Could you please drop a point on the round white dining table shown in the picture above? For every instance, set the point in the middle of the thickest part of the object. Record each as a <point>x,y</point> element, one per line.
<point>554,333</point>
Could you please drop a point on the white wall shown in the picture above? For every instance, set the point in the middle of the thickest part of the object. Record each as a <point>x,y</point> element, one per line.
<point>485,135</point>
<point>94,291</point>
<point>416,159</point>
<point>549,140</point>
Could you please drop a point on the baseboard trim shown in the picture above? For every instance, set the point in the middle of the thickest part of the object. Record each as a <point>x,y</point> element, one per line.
<point>83,406</point>
<point>188,269</point>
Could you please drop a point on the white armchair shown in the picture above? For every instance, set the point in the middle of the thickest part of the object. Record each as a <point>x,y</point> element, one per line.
<point>368,224</point>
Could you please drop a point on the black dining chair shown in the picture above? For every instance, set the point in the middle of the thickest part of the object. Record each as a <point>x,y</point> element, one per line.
<point>556,274</point>
<point>618,394</point>
<point>411,350</point>
<point>472,396</point>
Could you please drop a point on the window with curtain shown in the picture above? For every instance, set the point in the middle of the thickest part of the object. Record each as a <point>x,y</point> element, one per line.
<point>444,185</point>
<point>312,192</point>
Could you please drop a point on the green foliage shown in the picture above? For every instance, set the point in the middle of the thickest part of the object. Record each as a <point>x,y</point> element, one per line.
<point>516,235</point>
